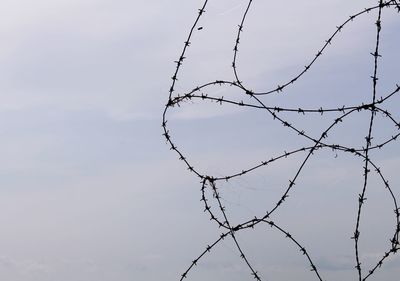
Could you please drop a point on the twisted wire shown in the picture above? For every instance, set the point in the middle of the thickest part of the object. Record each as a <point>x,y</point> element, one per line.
<point>319,142</point>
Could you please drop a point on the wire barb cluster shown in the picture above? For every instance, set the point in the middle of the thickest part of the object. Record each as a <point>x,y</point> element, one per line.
<point>209,183</point>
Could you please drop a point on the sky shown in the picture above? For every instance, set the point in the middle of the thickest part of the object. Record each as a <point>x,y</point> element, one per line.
<point>89,189</point>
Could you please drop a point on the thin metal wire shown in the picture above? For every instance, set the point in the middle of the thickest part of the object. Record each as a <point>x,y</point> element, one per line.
<point>209,182</point>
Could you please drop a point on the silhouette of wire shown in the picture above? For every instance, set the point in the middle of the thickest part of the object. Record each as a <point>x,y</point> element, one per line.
<point>209,183</point>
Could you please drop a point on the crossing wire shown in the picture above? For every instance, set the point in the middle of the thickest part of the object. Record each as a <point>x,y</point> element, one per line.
<point>210,183</point>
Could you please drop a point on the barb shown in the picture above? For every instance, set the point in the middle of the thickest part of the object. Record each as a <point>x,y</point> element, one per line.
<point>339,115</point>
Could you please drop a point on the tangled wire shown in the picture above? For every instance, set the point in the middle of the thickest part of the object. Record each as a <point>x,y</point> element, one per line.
<point>209,183</point>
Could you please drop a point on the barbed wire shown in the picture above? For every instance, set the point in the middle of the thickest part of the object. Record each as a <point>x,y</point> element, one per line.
<point>209,183</point>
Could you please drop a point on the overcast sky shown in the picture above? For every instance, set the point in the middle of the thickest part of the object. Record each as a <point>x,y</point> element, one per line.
<point>89,190</point>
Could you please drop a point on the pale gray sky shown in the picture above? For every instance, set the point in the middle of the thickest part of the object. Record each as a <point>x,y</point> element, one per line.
<point>90,191</point>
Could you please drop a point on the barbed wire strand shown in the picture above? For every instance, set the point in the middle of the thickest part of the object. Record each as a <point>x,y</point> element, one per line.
<point>209,182</point>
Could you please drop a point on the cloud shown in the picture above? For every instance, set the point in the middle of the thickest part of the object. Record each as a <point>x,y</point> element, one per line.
<point>335,263</point>
<point>82,55</point>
